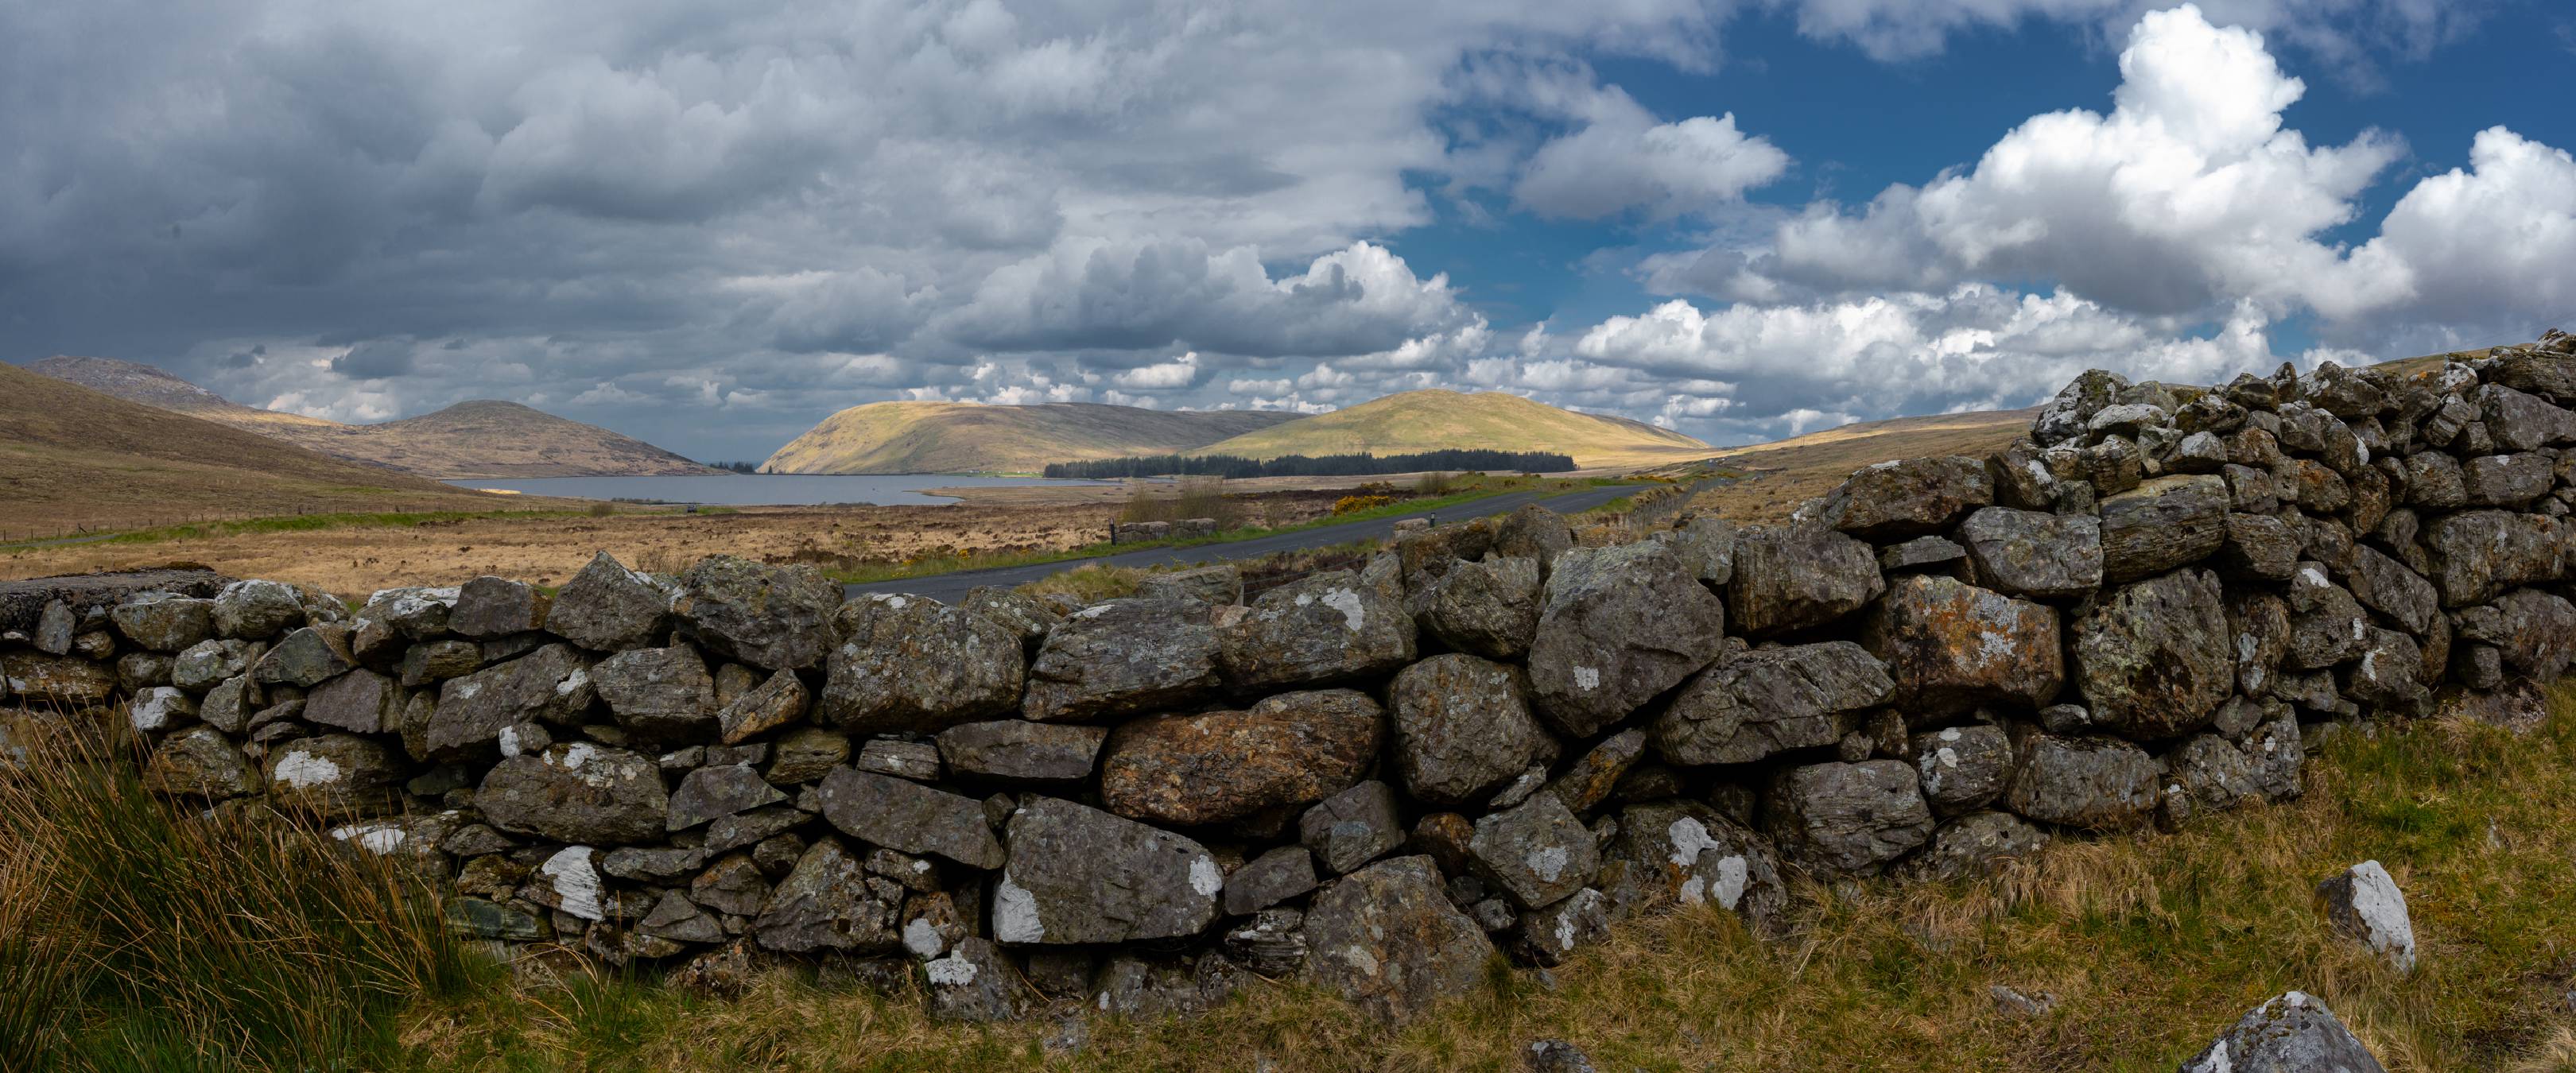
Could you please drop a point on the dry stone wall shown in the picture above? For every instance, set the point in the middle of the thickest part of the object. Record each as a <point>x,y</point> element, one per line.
<point>1489,740</point>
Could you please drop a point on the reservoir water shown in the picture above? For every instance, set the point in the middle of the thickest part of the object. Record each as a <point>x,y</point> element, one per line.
<point>758,489</point>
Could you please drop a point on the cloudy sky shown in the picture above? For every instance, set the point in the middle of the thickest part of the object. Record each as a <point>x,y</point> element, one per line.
<point>712,225</point>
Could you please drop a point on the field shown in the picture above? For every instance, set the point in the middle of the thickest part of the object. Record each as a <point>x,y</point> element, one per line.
<point>1432,420</point>
<point>2148,944</point>
<point>1788,472</point>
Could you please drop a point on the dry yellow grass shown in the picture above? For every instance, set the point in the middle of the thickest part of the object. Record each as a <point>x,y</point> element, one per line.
<point>2152,944</point>
<point>1788,472</point>
<point>1432,420</point>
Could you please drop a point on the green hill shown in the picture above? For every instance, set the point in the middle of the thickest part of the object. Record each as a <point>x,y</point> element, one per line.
<point>957,437</point>
<point>1432,420</point>
<point>479,438</point>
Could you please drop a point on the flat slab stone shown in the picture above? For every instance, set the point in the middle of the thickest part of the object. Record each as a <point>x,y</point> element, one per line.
<point>1080,875</point>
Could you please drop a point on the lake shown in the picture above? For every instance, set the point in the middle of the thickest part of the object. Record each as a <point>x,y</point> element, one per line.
<point>760,489</point>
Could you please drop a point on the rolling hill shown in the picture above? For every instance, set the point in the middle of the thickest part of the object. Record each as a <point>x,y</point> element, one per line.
<point>957,437</point>
<point>73,458</point>
<point>1434,419</point>
<point>481,438</point>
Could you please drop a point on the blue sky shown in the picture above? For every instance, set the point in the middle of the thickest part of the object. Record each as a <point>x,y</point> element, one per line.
<point>1741,218</point>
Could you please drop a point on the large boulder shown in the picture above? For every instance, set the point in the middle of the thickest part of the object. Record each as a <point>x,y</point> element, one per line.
<point>607,607</point>
<point>255,610</point>
<point>1797,575</point>
<point>1951,647</point>
<point>2521,421</point>
<point>659,694</point>
<point>2162,524</point>
<point>489,607</point>
<point>1080,875</point>
<point>2480,553</point>
<point>2152,659</point>
<point>2293,1033</point>
<point>829,902</point>
<point>1019,751</point>
<point>1622,624</point>
<point>1387,938</point>
<point>1538,851</point>
<point>2033,553</point>
<point>1908,498</point>
<point>2507,480</point>
<point>163,622</point>
<point>1124,657</point>
<point>1291,749</point>
<point>1847,819</point>
<point>2098,783</point>
<point>1324,630</point>
<point>910,663</point>
<point>1489,608</point>
<point>772,617</point>
<point>1753,704</point>
<point>1532,532</point>
<point>1462,729</point>
<point>908,816</point>
<point>581,792</point>
<point>1669,853</point>
<point>549,685</point>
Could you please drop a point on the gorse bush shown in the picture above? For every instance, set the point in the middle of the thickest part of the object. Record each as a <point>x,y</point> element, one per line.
<point>146,934</point>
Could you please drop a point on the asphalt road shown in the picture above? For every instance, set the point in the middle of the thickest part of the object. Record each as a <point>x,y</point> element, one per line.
<point>950,588</point>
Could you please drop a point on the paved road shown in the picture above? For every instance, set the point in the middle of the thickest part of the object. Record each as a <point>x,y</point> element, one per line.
<point>950,588</point>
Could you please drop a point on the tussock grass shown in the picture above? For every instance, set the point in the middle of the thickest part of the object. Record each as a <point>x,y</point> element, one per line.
<point>1188,497</point>
<point>2152,945</point>
<point>137,933</point>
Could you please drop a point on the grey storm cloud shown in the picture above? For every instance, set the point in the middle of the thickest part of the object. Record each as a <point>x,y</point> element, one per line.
<point>711,226</point>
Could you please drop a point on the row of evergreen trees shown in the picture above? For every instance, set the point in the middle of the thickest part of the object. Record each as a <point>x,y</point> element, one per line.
<point>1350,465</point>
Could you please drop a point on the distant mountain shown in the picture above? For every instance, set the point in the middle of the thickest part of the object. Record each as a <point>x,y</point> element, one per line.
<point>74,457</point>
<point>1433,419</point>
<point>956,437</point>
<point>480,438</point>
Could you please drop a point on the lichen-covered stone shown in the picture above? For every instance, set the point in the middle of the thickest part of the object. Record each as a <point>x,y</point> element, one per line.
<point>771,617</point>
<point>1962,768</point>
<point>1797,575</point>
<point>1080,875</point>
<point>2152,659</point>
<point>905,815</point>
<point>2162,524</point>
<point>2032,553</point>
<point>1950,647</point>
<point>2293,1033</point>
<point>1016,612</point>
<point>1753,704</point>
<point>306,658</point>
<point>1123,657</point>
<point>1387,939</point>
<point>1621,625</point>
<point>1290,749</point>
<point>163,622</point>
<point>609,608</point>
<point>360,702</point>
<point>256,610</point>
<point>1488,608</point>
<point>909,663</point>
<point>1538,852</point>
<point>658,694</point>
<point>1974,844</point>
<point>1847,819</point>
<point>1326,629</point>
<point>2089,782</point>
<point>829,903</point>
<point>1461,727</point>
<point>1353,827</point>
<point>578,792</point>
<point>1016,750</point>
<point>489,607</point>
<point>1670,853</point>
<point>717,791</point>
<point>1907,497</point>
<point>550,685</point>
<point>334,775</point>
<point>200,762</point>
<point>2478,554</point>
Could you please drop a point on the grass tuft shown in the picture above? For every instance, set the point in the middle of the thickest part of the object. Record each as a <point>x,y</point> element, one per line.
<point>140,933</point>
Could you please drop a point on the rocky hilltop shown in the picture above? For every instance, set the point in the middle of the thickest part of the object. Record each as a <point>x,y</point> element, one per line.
<point>1488,740</point>
<point>478,438</point>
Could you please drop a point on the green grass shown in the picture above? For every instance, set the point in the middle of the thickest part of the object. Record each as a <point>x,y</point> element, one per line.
<point>304,523</point>
<point>2152,944</point>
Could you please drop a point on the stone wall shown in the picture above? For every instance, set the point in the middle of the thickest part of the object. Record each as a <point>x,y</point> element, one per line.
<point>1489,739</point>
